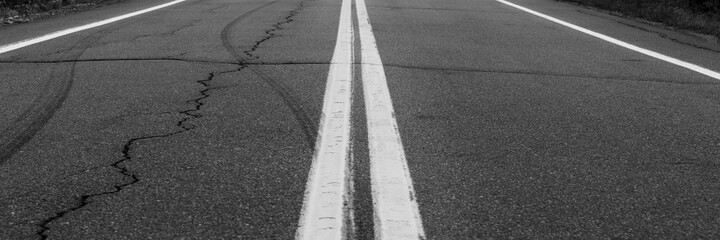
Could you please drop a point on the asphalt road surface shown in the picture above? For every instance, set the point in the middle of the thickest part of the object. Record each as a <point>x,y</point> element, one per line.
<point>357,119</point>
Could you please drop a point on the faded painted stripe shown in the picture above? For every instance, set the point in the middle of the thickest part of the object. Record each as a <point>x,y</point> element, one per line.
<point>650,53</point>
<point>326,208</point>
<point>28,42</point>
<point>395,208</point>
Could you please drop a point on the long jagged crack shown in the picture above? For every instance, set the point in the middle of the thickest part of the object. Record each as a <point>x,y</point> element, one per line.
<point>120,60</point>
<point>189,60</point>
<point>247,58</point>
<point>291,101</point>
<point>271,33</point>
<point>129,177</point>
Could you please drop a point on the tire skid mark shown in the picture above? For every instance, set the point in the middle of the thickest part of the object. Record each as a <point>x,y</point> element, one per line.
<point>293,103</point>
<point>129,177</point>
<point>54,93</point>
<point>225,33</point>
<point>35,117</point>
<point>269,34</point>
<point>245,60</point>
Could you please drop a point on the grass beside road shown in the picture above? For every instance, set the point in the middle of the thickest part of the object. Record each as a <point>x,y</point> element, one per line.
<point>701,16</point>
<point>18,11</point>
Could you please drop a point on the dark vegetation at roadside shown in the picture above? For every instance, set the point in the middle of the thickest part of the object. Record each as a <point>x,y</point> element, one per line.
<point>702,16</point>
<point>15,11</point>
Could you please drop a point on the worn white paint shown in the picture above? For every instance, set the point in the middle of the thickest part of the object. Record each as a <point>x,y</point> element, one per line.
<point>395,207</point>
<point>326,206</point>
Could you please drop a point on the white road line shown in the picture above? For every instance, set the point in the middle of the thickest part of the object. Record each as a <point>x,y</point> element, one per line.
<point>28,42</point>
<point>326,208</point>
<point>396,210</point>
<point>672,60</point>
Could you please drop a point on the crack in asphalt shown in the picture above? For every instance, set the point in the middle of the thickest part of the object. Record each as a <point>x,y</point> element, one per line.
<point>281,63</point>
<point>190,114</point>
<point>220,6</point>
<point>270,33</point>
<point>118,60</point>
<point>306,123</point>
<point>442,9</point>
<point>246,59</point>
<point>225,33</point>
<point>284,63</point>
<point>130,177</point>
<point>539,73</point>
<point>169,33</point>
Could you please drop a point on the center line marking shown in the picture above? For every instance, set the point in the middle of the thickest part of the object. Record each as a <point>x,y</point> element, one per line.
<point>394,202</point>
<point>326,208</point>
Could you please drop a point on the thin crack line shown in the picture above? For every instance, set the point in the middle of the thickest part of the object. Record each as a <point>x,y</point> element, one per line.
<point>270,34</point>
<point>118,60</point>
<point>84,200</point>
<point>279,63</point>
<point>248,58</point>
<point>440,9</point>
<point>537,73</point>
<point>184,124</point>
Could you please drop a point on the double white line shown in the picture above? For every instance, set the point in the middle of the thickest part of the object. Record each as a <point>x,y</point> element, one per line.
<point>327,210</point>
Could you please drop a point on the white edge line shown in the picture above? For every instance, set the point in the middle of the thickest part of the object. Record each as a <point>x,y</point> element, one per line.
<point>28,42</point>
<point>327,207</point>
<point>650,53</point>
<point>396,211</point>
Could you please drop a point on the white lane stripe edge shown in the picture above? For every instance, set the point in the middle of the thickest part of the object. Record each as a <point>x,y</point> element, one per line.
<point>396,211</point>
<point>650,53</point>
<point>28,42</point>
<point>327,204</point>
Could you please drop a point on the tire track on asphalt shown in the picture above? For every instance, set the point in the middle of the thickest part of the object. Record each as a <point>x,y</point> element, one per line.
<point>54,93</point>
<point>225,33</point>
<point>52,97</point>
<point>244,59</point>
<point>130,177</point>
<point>28,123</point>
<point>32,120</point>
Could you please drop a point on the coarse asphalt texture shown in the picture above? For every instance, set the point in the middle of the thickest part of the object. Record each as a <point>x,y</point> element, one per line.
<point>199,121</point>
